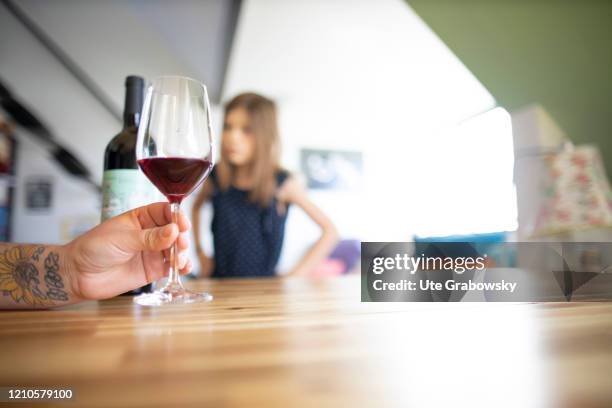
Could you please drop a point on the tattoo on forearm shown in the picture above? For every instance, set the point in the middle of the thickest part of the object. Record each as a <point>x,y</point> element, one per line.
<point>53,279</point>
<point>38,252</point>
<point>20,278</point>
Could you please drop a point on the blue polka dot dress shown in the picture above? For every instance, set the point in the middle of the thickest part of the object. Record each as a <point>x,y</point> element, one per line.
<point>247,238</point>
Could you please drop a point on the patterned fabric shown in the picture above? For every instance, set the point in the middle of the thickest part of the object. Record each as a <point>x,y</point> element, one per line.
<point>247,239</point>
<point>576,193</point>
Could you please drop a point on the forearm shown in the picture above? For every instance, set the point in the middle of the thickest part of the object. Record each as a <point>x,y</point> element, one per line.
<point>196,211</point>
<point>195,222</point>
<point>207,264</point>
<point>317,252</point>
<point>34,276</point>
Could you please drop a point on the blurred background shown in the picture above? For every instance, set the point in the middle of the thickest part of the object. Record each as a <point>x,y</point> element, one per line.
<point>404,118</point>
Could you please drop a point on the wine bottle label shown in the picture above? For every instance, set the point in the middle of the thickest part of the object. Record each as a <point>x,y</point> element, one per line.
<point>123,190</point>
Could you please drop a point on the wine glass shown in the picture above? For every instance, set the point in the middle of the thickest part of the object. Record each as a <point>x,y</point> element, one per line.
<point>174,150</point>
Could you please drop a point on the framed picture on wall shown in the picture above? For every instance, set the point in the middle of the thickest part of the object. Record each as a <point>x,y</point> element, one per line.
<point>39,193</point>
<point>331,169</point>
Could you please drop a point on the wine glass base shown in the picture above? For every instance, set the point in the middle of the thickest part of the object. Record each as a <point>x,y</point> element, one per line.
<point>172,296</point>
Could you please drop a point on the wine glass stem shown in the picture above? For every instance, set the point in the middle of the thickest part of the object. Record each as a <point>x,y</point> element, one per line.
<point>173,275</point>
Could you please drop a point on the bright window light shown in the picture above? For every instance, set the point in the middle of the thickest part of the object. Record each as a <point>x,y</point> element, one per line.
<point>467,186</point>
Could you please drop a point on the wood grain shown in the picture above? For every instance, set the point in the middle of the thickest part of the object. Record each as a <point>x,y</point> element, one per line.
<point>299,342</point>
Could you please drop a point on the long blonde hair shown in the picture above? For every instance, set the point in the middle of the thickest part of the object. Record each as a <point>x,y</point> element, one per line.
<point>265,164</point>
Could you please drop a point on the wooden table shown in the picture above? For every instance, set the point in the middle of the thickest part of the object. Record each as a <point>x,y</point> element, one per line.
<point>296,342</point>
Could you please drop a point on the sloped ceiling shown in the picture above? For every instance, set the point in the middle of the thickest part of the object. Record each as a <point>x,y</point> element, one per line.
<point>110,39</point>
<point>556,53</point>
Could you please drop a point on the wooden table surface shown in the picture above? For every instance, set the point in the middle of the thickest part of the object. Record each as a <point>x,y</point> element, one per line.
<point>297,342</point>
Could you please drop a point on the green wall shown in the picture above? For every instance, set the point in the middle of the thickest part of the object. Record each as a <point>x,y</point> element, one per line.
<point>556,53</point>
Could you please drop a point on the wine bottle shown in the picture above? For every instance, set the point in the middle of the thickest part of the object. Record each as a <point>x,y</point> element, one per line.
<point>124,187</point>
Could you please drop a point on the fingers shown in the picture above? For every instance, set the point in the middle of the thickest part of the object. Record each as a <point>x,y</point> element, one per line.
<point>157,234</point>
<point>183,241</point>
<point>153,239</point>
<point>157,264</point>
<point>182,244</point>
<point>130,242</point>
<point>183,261</point>
<point>188,267</point>
<point>185,265</point>
<point>183,221</point>
<point>159,214</point>
<point>152,215</point>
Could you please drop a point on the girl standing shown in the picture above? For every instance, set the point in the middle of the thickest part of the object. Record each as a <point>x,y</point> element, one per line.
<point>250,195</point>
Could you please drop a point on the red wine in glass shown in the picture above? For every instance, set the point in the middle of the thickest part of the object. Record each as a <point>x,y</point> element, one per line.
<point>175,177</point>
<point>174,150</point>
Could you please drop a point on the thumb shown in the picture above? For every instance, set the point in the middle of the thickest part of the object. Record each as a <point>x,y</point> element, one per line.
<point>155,239</point>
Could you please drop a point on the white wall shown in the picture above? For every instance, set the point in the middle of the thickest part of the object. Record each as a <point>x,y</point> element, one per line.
<point>70,112</point>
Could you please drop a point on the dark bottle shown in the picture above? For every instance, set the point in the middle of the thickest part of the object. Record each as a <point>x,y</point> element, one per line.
<point>120,152</point>
<point>124,187</point>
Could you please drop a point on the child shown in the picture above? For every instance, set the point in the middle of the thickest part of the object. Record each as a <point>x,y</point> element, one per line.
<point>250,195</point>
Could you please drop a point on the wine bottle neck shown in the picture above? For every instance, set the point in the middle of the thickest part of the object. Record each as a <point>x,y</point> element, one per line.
<point>131,120</point>
<point>133,102</point>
